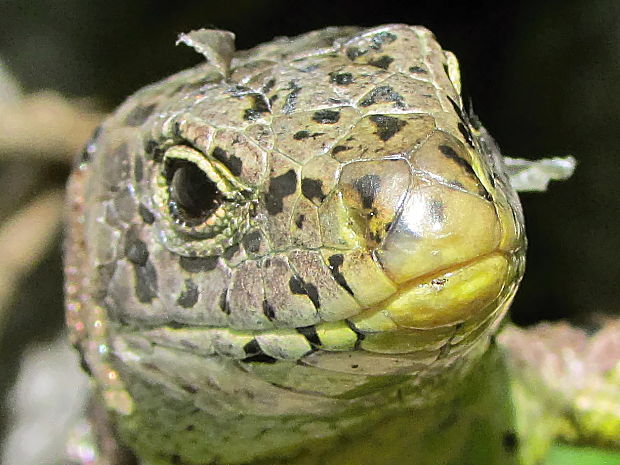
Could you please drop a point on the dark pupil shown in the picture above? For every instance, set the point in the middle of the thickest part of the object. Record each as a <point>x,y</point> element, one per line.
<point>193,196</point>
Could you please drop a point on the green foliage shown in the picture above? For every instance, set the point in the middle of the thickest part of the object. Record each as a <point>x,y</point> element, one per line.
<point>568,455</point>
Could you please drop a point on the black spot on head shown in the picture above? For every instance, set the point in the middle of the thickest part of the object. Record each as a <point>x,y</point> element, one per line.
<point>355,52</point>
<point>417,70</point>
<point>381,38</point>
<point>138,169</point>
<point>259,106</point>
<point>510,442</point>
<point>135,249</point>
<point>360,336</point>
<point>387,126</point>
<point>255,353</point>
<point>368,186</point>
<point>198,264</point>
<point>268,85</point>
<point>252,348</point>
<point>139,114</point>
<point>189,295</point>
<point>223,302</point>
<point>382,62</point>
<point>298,286</point>
<point>152,151</point>
<point>341,79</point>
<point>340,148</point>
<point>268,311</point>
<point>326,116</point>
<point>383,94</point>
<point>309,332</point>
<point>83,362</point>
<point>231,251</point>
<point>450,153</point>
<point>335,262</point>
<point>232,162</point>
<point>299,221</point>
<point>300,135</point>
<point>146,282</point>
<point>90,147</point>
<point>146,214</point>
<point>279,188</point>
<point>445,69</point>
<point>251,241</point>
<point>312,189</point>
<point>291,99</point>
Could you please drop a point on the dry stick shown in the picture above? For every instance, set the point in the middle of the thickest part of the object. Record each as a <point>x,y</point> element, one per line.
<point>45,126</point>
<point>24,239</point>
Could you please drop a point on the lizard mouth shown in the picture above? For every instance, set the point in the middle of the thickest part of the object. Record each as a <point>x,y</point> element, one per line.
<point>447,302</point>
<point>425,312</point>
<point>442,298</point>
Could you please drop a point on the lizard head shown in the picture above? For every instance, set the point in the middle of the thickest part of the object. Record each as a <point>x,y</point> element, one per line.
<point>321,210</point>
<point>400,229</point>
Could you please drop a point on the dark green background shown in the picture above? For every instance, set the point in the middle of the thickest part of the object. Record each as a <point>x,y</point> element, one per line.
<point>544,77</point>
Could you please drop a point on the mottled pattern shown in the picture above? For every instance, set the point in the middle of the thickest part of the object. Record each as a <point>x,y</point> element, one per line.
<point>347,245</point>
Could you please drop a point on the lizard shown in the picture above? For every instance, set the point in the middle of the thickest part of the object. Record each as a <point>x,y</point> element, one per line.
<point>304,253</point>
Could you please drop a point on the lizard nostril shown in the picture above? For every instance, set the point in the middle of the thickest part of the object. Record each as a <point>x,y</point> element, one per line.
<point>374,192</point>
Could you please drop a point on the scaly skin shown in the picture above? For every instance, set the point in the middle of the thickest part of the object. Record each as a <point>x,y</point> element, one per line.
<point>299,255</point>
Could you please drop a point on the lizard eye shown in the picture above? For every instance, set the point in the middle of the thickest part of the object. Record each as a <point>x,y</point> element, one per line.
<point>202,207</point>
<point>193,197</point>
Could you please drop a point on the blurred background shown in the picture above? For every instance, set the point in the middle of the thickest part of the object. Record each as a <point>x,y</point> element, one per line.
<point>544,77</point>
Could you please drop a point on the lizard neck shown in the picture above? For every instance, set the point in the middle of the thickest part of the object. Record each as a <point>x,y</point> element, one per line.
<point>471,412</point>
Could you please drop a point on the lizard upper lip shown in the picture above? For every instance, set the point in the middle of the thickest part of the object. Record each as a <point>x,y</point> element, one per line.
<point>444,297</point>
